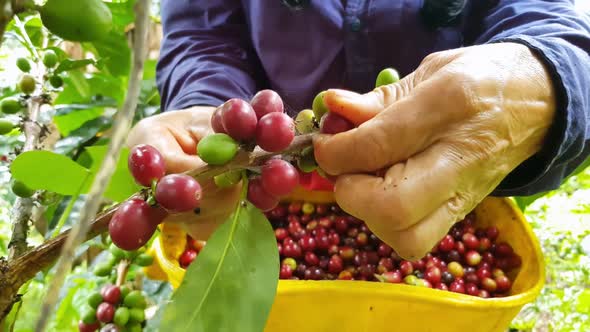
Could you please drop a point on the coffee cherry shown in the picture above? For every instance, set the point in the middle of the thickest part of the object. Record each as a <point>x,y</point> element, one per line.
<point>336,264</point>
<point>406,268</point>
<point>50,59</point>
<point>21,190</point>
<point>27,84</point>
<point>492,233</point>
<point>489,284</point>
<point>333,123</point>
<point>347,253</point>
<point>483,273</point>
<point>105,312</point>
<point>144,260</point>
<point>319,108</point>
<point>447,244</point>
<point>56,81</point>
<point>457,287</point>
<point>124,291</point>
<point>292,250</point>
<point>146,164</point>
<point>23,64</point>
<point>275,131</point>
<point>307,243</point>
<point>266,101</point>
<point>217,149</point>
<point>433,275</point>
<point>94,300</point>
<point>386,76</point>
<point>345,275</point>
<point>447,277</point>
<point>135,299</point>
<point>503,284</point>
<point>136,315</point>
<point>471,289</point>
<point>484,244</point>
<point>178,193</point>
<point>89,315</point>
<point>133,224</point>
<point>483,294</point>
<point>187,257</point>
<point>83,327</point>
<point>306,162</point>
<point>259,197</point>
<point>228,179</point>
<point>281,234</point>
<point>470,241</point>
<point>311,259</point>
<point>279,178</point>
<point>286,272</point>
<point>111,294</point>
<point>411,279</point>
<point>239,119</point>
<point>11,105</point>
<point>456,269</point>
<point>394,277</point>
<point>460,247</point>
<point>291,262</point>
<point>134,327</point>
<point>216,121</point>
<point>472,258</point>
<point>304,122</point>
<point>121,316</point>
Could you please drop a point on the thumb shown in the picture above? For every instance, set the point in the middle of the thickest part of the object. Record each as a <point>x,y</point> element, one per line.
<point>359,108</point>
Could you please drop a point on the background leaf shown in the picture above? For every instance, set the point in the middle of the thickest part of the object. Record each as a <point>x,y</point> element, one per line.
<point>232,284</point>
<point>68,64</point>
<point>49,171</point>
<point>76,117</point>
<point>122,184</point>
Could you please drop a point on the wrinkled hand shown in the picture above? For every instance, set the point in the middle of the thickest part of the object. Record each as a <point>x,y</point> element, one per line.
<point>176,135</point>
<point>444,137</point>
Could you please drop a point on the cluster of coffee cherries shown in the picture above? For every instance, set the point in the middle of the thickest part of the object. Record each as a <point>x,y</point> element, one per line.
<point>114,309</point>
<point>136,220</point>
<point>191,251</point>
<point>321,242</point>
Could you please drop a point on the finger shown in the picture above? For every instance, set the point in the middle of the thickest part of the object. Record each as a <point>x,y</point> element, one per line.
<point>359,108</point>
<point>416,241</point>
<point>403,129</point>
<point>408,192</point>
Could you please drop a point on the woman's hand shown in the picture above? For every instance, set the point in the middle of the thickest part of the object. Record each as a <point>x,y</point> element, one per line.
<point>176,135</point>
<point>441,140</point>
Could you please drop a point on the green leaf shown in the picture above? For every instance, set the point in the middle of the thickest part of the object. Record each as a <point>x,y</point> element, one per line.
<point>122,185</point>
<point>49,171</point>
<point>231,286</point>
<point>83,135</point>
<point>33,27</point>
<point>583,305</point>
<point>75,116</point>
<point>524,201</point>
<point>67,64</point>
<point>115,52</point>
<point>122,13</point>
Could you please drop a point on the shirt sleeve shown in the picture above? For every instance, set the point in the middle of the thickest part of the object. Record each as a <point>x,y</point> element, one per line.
<point>560,37</point>
<point>206,56</point>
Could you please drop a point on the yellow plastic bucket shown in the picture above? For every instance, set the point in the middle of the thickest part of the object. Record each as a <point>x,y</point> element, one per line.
<point>359,306</point>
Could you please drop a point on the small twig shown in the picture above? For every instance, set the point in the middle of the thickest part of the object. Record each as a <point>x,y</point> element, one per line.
<point>122,126</point>
<point>122,270</point>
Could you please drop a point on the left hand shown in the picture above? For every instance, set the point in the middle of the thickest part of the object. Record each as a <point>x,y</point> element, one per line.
<point>445,136</point>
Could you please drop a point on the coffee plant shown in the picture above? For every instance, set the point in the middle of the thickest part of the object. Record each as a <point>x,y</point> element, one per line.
<point>79,212</point>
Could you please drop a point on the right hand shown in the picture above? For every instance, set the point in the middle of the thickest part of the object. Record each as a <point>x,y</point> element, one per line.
<point>176,135</point>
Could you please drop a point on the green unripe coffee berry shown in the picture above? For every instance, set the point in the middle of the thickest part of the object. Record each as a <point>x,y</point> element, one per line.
<point>94,300</point>
<point>6,126</point>
<point>304,121</point>
<point>50,59</point>
<point>319,107</point>
<point>103,269</point>
<point>10,105</point>
<point>124,291</point>
<point>134,327</point>
<point>27,84</point>
<point>136,315</point>
<point>387,76</point>
<point>23,64</point>
<point>117,252</point>
<point>56,81</point>
<point>121,316</point>
<point>21,190</point>
<point>306,162</point>
<point>144,260</point>
<point>89,315</point>
<point>228,179</point>
<point>217,149</point>
<point>135,300</point>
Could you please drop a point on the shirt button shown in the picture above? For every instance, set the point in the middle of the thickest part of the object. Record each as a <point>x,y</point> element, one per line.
<point>355,25</point>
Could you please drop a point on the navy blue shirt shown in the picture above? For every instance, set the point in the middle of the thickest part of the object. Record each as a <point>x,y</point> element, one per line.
<point>215,50</point>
